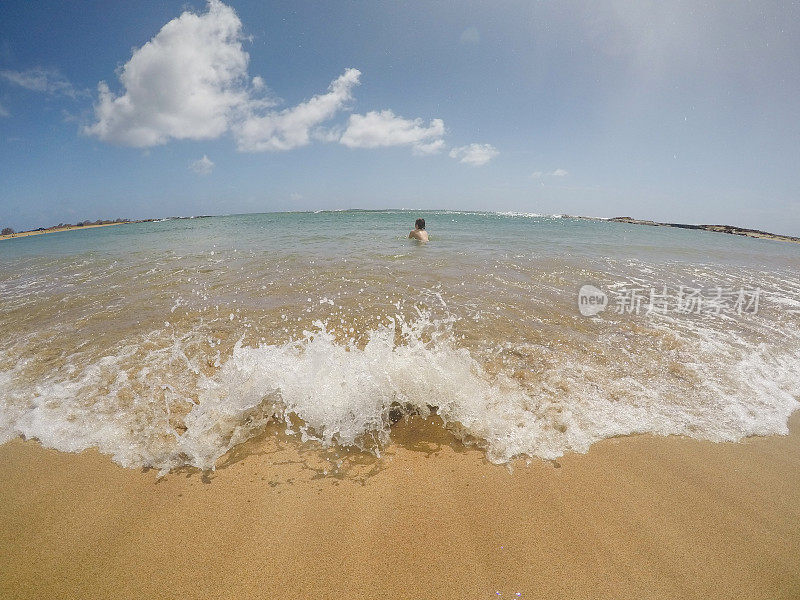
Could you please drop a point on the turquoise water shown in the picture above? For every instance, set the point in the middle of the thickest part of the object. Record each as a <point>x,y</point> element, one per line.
<point>378,232</point>
<point>168,343</point>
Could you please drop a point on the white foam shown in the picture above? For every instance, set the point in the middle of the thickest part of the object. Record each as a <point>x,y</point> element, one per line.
<point>164,412</point>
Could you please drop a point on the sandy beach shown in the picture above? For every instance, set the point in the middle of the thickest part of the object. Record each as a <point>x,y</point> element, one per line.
<point>57,229</point>
<point>380,328</point>
<point>636,517</point>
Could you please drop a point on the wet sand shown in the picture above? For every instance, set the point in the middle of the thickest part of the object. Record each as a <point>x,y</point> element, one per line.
<point>636,517</point>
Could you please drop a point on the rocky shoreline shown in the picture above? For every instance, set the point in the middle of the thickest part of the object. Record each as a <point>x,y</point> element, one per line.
<point>754,233</point>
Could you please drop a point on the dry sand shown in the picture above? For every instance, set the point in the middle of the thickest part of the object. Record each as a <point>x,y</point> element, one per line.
<point>56,229</point>
<point>638,517</point>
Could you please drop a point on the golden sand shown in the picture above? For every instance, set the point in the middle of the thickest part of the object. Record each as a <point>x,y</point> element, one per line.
<point>637,517</point>
<point>56,229</point>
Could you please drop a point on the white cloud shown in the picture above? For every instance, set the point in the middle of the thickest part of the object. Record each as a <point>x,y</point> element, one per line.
<point>556,173</point>
<point>474,154</point>
<point>191,82</point>
<point>4,112</point>
<point>202,166</point>
<point>327,134</point>
<point>379,129</point>
<point>470,36</point>
<point>39,79</point>
<point>291,128</point>
<point>187,82</point>
<point>429,148</point>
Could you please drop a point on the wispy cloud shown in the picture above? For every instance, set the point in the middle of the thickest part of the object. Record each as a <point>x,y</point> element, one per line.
<point>291,128</point>
<point>555,173</point>
<point>202,166</point>
<point>49,81</point>
<point>4,112</point>
<point>474,154</point>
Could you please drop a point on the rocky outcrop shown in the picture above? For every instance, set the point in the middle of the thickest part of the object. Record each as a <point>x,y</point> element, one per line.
<point>755,233</point>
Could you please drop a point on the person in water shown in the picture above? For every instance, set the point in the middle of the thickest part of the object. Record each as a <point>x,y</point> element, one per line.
<point>419,232</point>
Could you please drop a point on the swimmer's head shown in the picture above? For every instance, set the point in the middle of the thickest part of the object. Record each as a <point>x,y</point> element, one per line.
<point>420,224</point>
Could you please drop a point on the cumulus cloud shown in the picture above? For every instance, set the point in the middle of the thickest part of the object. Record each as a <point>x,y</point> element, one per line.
<point>202,166</point>
<point>191,82</point>
<point>291,128</point>
<point>470,36</point>
<point>474,154</point>
<point>560,173</point>
<point>185,83</point>
<point>379,129</point>
<point>49,81</point>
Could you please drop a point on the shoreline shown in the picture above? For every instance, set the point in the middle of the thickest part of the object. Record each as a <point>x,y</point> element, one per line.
<point>90,225</point>
<point>58,229</point>
<point>640,516</point>
<point>729,229</point>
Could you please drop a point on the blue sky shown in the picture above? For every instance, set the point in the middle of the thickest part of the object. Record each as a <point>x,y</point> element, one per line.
<point>664,110</point>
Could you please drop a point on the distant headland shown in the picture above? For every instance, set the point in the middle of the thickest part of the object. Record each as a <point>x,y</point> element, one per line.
<point>9,233</point>
<point>754,233</point>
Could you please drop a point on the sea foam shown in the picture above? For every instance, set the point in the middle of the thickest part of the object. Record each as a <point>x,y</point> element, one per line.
<point>162,410</point>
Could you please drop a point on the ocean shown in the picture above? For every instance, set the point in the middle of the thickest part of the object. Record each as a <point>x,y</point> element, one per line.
<point>168,344</point>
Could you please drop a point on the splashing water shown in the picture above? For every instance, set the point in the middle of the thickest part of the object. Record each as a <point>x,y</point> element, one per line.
<point>183,347</point>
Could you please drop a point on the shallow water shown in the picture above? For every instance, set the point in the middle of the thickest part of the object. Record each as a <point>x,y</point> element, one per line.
<point>167,344</point>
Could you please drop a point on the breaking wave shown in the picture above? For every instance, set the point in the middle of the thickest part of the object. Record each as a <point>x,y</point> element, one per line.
<point>164,404</point>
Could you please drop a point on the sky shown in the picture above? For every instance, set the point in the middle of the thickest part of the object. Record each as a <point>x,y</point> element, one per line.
<point>682,112</point>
